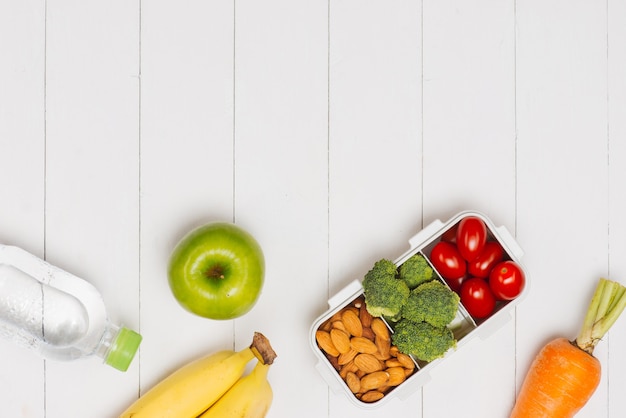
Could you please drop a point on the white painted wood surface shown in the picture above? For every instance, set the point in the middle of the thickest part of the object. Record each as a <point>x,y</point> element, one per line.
<point>333,131</point>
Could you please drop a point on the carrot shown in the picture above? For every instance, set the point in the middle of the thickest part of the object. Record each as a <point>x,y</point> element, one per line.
<point>564,374</point>
<point>560,381</point>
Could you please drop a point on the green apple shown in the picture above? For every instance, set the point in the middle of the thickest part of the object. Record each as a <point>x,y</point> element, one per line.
<point>217,271</point>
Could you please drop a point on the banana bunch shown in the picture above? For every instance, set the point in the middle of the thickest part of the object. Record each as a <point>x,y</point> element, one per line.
<point>213,386</point>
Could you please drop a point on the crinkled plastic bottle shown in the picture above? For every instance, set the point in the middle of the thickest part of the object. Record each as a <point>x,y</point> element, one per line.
<point>57,314</point>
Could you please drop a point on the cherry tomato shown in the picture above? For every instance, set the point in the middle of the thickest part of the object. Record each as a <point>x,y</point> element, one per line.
<point>491,254</point>
<point>477,297</point>
<point>507,280</point>
<point>448,261</point>
<point>455,284</point>
<point>471,237</point>
<point>450,234</point>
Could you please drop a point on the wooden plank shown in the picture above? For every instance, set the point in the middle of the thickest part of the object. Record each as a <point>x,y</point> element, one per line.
<point>616,98</point>
<point>375,160</point>
<point>281,183</point>
<point>22,43</point>
<point>563,181</point>
<point>92,182</point>
<point>186,166</point>
<point>469,164</point>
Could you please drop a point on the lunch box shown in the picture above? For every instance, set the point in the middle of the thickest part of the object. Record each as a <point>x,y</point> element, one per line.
<point>464,327</point>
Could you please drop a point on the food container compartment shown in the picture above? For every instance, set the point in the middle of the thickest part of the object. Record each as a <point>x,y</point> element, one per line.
<point>464,327</point>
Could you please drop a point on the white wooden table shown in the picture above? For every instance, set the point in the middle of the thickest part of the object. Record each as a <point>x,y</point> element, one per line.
<point>332,131</point>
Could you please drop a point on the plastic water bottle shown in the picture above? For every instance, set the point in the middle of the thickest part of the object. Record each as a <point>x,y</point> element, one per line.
<point>58,315</point>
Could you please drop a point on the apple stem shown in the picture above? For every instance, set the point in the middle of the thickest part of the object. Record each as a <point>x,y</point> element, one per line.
<point>215,272</point>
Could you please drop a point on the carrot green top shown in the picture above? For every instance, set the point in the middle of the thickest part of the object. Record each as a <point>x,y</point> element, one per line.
<point>607,303</point>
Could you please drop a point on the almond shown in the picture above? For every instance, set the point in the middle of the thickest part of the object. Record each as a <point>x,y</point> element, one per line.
<point>336,317</point>
<point>338,324</point>
<point>384,389</point>
<point>393,351</point>
<point>393,362</point>
<point>383,347</point>
<point>368,363</point>
<point>362,345</point>
<point>326,326</point>
<point>396,375</point>
<point>365,316</point>
<point>353,382</point>
<point>372,396</point>
<point>380,328</point>
<point>347,357</point>
<point>326,343</point>
<point>352,323</point>
<point>348,368</point>
<point>333,362</point>
<point>352,309</point>
<point>406,361</point>
<point>374,380</point>
<point>340,340</point>
<point>368,333</point>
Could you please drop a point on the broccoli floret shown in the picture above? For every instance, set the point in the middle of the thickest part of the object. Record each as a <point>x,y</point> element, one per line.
<point>422,340</point>
<point>382,268</point>
<point>385,294</point>
<point>431,302</point>
<point>416,271</point>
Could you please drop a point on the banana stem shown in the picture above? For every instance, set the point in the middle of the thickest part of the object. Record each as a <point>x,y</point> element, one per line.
<point>262,349</point>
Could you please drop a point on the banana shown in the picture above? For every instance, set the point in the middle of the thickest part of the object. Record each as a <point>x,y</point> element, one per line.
<point>250,397</point>
<point>193,388</point>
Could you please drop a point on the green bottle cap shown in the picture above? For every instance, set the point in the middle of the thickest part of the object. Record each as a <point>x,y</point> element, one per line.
<point>123,349</point>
